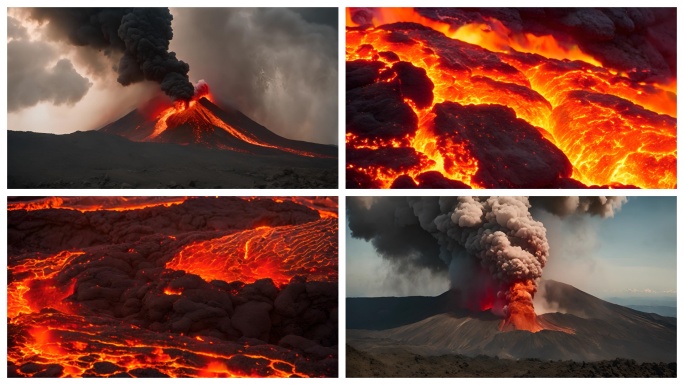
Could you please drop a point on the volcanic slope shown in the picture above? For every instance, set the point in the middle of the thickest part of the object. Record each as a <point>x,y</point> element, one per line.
<point>426,326</point>
<point>206,124</point>
<point>201,146</point>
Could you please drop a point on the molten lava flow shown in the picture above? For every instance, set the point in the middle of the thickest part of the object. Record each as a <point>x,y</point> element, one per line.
<point>37,204</point>
<point>279,253</point>
<point>86,346</point>
<point>85,204</point>
<point>35,286</point>
<point>493,36</point>
<point>180,106</point>
<point>201,119</point>
<point>613,130</point>
<point>326,206</point>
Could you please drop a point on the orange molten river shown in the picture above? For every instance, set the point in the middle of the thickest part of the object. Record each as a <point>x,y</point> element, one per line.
<point>279,253</point>
<point>635,145</point>
<point>48,328</point>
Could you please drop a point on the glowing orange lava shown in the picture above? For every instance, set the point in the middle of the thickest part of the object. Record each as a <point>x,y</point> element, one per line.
<point>279,253</point>
<point>38,289</point>
<point>192,111</point>
<point>81,344</point>
<point>520,311</point>
<point>614,131</point>
<point>86,204</point>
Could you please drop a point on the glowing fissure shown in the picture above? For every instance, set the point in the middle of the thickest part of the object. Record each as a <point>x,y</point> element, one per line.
<point>580,107</point>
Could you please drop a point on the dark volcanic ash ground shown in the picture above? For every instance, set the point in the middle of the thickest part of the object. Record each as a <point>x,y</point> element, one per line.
<point>98,160</point>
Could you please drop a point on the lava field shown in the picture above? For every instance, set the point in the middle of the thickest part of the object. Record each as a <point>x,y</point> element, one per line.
<point>511,98</point>
<point>172,287</point>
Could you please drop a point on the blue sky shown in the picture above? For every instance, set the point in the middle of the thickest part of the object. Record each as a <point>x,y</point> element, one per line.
<point>632,254</point>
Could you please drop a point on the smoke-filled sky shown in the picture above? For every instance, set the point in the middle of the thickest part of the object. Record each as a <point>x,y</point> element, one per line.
<point>276,65</point>
<point>621,249</point>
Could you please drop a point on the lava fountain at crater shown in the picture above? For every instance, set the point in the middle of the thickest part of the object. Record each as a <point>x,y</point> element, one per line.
<point>450,98</point>
<point>93,289</point>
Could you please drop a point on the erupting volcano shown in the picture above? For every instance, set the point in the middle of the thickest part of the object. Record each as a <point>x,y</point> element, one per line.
<point>172,287</point>
<point>201,122</point>
<point>511,98</point>
<point>99,98</point>
<point>489,252</point>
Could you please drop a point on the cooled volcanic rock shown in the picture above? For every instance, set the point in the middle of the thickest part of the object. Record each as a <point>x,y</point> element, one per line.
<point>96,159</point>
<point>396,159</point>
<point>433,179</point>
<point>414,83</point>
<point>377,110</point>
<point>511,153</point>
<point>114,282</point>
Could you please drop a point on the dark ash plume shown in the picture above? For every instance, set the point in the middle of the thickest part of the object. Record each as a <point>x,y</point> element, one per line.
<point>141,34</point>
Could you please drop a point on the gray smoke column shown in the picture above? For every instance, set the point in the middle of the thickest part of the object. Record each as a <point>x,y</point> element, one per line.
<point>141,34</point>
<point>492,248</point>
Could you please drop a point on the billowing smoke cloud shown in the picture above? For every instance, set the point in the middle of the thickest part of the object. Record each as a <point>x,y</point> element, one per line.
<point>15,30</point>
<point>141,34</point>
<point>485,244</point>
<point>563,206</point>
<point>276,65</point>
<point>33,76</point>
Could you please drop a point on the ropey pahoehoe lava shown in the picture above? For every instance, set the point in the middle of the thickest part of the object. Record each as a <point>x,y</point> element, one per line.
<point>511,98</point>
<point>172,287</point>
